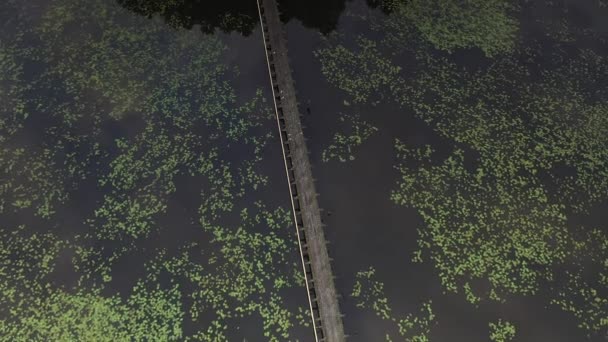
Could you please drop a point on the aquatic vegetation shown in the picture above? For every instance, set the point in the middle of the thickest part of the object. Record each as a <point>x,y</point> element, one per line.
<point>118,112</point>
<point>146,316</point>
<point>554,127</point>
<point>362,73</point>
<point>140,178</point>
<point>483,230</point>
<point>12,91</point>
<point>559,22</point>
<point>501,331</point>
<point>227,16</point>
<point>502,198</point>
<point>241,275</point>
<point>343,144</point>
<point>35,309</point>
<point>183,106</point>
<point>27,259</point>
<point>498,224</point>
<point>450,24</point>
<point>28,180</point>
<point>369,293</point>
<point>584,296</point>
<point>530,149</point>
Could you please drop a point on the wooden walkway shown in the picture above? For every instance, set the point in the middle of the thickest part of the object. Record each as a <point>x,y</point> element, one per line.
<point>322,295</point>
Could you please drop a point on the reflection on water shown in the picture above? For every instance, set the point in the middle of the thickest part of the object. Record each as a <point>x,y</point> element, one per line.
<point>237,15</point>
<point>140,174</point>
<point>133,198</point>
<point>482,104</point>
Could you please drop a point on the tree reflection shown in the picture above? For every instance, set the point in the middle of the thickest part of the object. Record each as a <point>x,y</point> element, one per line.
<point>236,15</point>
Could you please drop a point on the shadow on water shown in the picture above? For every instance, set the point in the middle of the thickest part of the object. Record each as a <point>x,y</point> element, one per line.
<point>237,15</point>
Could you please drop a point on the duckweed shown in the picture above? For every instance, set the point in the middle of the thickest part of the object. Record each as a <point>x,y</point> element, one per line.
<point>450,25</point>
<point>369,294</point>
<point>126,109</point>
<point>528,130</point>
<point>343,146</point>
<point>501,331</point>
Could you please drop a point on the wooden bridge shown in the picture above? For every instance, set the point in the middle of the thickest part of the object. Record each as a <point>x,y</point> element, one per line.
<point>322,295</point>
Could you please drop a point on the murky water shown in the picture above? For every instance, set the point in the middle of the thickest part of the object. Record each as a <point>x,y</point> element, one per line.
<point>365,227</point>
<point>103,43</point>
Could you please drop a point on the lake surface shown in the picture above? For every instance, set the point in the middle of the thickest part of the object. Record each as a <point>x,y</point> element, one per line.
<point>141,173</point>
<point>365,228</point>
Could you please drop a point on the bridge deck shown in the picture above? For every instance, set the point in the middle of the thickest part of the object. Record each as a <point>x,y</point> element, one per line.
<point>322,295</point>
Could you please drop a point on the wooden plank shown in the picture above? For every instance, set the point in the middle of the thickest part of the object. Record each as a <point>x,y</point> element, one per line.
<point>322,294</point>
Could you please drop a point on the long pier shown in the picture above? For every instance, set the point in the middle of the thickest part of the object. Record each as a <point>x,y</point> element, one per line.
<point>322,295</point>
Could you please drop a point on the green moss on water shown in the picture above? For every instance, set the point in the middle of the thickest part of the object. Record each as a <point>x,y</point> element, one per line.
<point>147,316</point>
<point>36,310</point>
<point>28,178</point>
<point>369,294</point>
<point>11,92</point>
<point>501,331</point>
<point>343,145</point>
<point>241,278</point>
<point>174,82</point>
<point>528,131</point>
<point>583,296</point>
<point>449,25</point>
<point>129,108</point>
<point>30,181</point>
<point>363,72</point>
<point>500,225</point>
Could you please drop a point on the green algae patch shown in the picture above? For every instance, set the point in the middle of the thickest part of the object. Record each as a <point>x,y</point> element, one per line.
<point>344,145</point>
<point>504,233</point>
<point>497,223</point>
<point>105,119</point>
<point>37,310</point>
<point>147,316</point>
<point>501,331</point>
<point>528,129</point>
<point>369,294</point>
<point>362,72</point>
<point>583,296</point>
<point>29,178</point>
<point>450,25</point>
<point>243,276</point>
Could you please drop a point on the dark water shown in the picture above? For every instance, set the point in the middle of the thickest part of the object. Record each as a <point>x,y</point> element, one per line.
<point>178,226</point>
<point>364,227</point>
<point>238,15</point>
